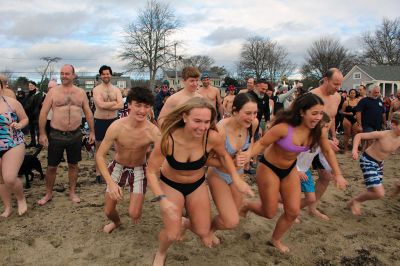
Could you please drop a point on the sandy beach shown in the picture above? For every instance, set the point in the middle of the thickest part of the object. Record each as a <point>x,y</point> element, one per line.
<point>63,233</point>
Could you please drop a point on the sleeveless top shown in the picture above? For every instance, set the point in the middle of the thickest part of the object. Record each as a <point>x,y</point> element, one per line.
<point>286,143</point>
<point>188,166</point>
<point>9,137</point>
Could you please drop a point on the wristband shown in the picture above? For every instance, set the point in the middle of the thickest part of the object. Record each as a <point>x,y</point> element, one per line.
<point>158,198</point>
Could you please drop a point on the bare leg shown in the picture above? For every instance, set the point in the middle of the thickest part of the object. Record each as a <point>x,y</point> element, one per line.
<point>5,197</point>
<point>227,206</point>
<point>11,162</point>
<point>135,207</point>
<point>172,227</point>
<point>97,145</point>
<point>51,173</point>
<point>111,213</point>
<point>320,187</point>
<point>73,178</point>
<point>199,209</point>
<point>373,193</point>
<point>290,191</point>
<point>347,133</point>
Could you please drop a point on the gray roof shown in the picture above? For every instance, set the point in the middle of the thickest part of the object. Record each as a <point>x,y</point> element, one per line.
<point>389,73</point>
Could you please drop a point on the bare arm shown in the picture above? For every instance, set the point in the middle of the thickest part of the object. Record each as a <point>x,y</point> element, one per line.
<point>119,104</point>
<point>272,135</point>
<point>219,103</point>
<point>44,111</point>
<point>168,106</point>
<point>217,143</point>
<point>153,169</point>
<point>22,117</point>
<point>98,101</point>
<point>89,116</point>
<point>101,153</point>
<point>331,158</point>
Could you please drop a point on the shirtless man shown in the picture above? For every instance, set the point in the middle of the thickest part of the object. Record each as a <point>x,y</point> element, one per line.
<point>332,81</point>
<point>108,100</point>
<point>249,87</point>
<point>228,101</point>
<point>211,93</point>
<point>190,77</point>
<point>67,102</point>
<point>395,105</point>
<point>132,136</point>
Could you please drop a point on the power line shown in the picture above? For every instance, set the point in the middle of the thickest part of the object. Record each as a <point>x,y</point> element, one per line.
<point>69,59</point>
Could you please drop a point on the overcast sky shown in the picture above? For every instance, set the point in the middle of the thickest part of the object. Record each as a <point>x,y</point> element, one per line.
<point>87,33</point>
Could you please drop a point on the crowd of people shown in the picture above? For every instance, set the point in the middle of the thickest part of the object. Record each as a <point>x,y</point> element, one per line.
<point>175,141</point>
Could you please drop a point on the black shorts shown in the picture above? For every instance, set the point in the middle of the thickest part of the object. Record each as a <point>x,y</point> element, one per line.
<point>101,126</point>
<point>71,141</point>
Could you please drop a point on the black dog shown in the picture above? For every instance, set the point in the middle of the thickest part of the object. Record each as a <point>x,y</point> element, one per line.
<point>31,162</point>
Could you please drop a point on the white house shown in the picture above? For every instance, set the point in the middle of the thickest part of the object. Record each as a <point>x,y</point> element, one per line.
<point>388,78</point>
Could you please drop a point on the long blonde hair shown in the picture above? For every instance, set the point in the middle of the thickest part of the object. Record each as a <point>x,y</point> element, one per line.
<point>174,119</point>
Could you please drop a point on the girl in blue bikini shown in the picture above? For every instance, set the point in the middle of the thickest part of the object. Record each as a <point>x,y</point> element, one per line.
<point>238,131</point>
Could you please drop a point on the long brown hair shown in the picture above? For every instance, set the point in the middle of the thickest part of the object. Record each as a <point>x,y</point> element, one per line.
<point>293,115</point>
<point>174,119</point>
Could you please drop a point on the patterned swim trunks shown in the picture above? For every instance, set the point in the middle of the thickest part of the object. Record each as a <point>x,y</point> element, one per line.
<point>134,177</point>
<point>372,170</point>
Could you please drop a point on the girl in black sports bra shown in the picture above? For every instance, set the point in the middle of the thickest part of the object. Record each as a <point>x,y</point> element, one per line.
<point>294,130</point>
<point>188,136</point>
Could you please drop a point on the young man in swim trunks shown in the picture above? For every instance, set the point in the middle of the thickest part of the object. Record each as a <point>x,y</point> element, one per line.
<point>108,100</point>
<point>371,161</point>
<point>132,137</point>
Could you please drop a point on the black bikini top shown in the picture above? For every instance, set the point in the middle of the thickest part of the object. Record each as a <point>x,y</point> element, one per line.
<point>195,165</point>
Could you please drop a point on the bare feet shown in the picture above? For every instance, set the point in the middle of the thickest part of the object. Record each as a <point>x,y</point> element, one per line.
<point>44,200</point>
<point>281,247</point>
<point>215,240</point>
<point>355,207</point>
<point>159,259</point>
<point>108,228</point>
<point>243,210</point>
<point>7,212</point>
<point>318,214</point>
<point>395,190</point>
<point>74,198</point>
<point>22,207</point>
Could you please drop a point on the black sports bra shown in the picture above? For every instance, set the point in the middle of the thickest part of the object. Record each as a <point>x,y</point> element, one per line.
<point>195,165</point>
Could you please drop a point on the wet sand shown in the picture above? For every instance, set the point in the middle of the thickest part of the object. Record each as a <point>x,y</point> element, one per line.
<point>63,233</point>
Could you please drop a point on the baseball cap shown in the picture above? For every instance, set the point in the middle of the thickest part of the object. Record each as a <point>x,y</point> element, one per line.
<point>204,76</point>
<point>19,89</point>
<point>165,82</point>
<point>231,88</point>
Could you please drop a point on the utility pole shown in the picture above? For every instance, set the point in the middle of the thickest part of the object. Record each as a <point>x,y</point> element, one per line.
<point>176,69</point>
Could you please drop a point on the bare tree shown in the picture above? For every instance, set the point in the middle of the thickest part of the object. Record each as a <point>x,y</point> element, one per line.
<point>7,73</point>
<point>382,47</point>
<point>47,68</point>
<point>263,58</point>
<point>146,44</point>
<point>202,62</point>
<point>324,54</point>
